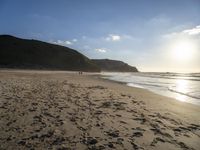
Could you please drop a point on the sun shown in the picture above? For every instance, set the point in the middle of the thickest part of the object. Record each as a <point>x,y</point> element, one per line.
<point>183,50</point>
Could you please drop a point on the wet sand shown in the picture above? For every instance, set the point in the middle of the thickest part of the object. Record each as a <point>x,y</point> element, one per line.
<point>63,110</point>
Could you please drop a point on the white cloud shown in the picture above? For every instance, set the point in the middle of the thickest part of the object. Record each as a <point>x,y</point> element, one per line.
<point>101,50</point>
<point>63,43</point>
<point>193,31</point>
<point>74,40</point>
<point>68,42</point>
<point>187,32</point>
<point>59,42</point>
<point>113,37</point>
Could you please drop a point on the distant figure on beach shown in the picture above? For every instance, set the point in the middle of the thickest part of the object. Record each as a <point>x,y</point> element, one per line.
<point>80,72</point>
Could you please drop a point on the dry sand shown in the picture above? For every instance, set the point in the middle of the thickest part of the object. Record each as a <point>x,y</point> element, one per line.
<point>62,110</point>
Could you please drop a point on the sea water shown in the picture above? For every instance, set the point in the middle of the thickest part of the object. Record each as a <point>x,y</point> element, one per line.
<point>184,87</point>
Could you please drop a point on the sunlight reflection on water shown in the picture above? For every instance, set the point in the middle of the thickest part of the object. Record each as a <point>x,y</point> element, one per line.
<point>181,87</point>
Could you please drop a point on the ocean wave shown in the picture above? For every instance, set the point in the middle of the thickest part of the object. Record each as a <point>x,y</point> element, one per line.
<point>146,84</point>
<point>187,85</point>
<point>182,93</point>
<point>193,77</point>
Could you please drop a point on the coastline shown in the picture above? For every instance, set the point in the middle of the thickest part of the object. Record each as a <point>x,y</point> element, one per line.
<point>180,87</point>
<point>59,109</point>
<point>155,100</point>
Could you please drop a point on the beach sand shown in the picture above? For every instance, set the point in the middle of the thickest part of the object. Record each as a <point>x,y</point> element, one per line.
<point>63,110</point>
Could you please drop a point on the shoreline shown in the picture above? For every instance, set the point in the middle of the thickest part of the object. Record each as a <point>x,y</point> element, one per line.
<point>162,97</point>
<point>53,109</point>
<point>170,93</point>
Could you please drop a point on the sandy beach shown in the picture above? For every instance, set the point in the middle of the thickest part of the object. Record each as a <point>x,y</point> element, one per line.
<point>63,110</point>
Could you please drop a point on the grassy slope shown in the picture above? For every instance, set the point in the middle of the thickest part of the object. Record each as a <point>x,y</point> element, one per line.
<point>33,54</point>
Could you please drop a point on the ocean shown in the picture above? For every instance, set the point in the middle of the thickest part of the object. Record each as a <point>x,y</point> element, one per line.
<point>184,87</point>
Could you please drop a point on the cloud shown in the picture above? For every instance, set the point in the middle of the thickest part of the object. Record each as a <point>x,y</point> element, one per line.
<point>113,37</point>
<point>68,43</point>
<point>61,42</point>
<point>193,31</point>
<point>187,32</point>
<point>101,50</point>
<point>74,40</point>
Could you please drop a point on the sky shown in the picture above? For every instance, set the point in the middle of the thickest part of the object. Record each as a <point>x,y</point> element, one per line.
<point>153,35</point>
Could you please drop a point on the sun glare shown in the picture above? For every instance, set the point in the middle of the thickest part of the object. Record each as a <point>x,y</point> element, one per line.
<point>181,87</point>
<point>183,50</point>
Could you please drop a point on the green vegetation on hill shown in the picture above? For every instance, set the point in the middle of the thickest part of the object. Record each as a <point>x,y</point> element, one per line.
<point>33,54</point>
<point>114,65</point>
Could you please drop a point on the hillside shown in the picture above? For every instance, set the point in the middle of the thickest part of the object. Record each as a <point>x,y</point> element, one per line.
<point>114,65</point>
<point>33,54</point>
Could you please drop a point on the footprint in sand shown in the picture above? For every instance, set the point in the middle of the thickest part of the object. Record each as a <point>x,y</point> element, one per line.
<point>138,132</point>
